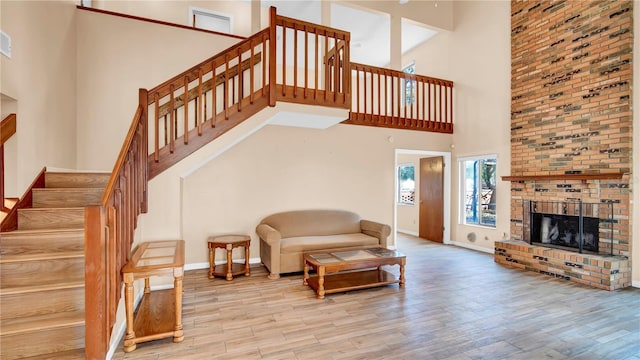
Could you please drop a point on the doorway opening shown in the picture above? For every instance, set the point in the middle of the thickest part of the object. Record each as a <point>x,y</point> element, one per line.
<point>406,219</point>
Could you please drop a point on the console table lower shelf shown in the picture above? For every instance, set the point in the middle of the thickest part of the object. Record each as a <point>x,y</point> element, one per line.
<point>152,320</point>
<point>159,314</point>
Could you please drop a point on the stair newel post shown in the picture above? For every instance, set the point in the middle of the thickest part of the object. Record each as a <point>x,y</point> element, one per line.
<point>143,96</point>
<point>272,56</point>
<point>96,323</point>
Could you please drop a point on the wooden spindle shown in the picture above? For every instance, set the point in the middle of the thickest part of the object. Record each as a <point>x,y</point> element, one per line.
<point>240,80</point>
<point>200,102</point>
<point>357,90</point>
<point>451,106</point>
<point>327,70</point>
<point>251,72</point>
<point>379,91</point>
<point>171,120</point>
<point>214,94</point>
<point>225,105</point>
<point>317,68</point>
<point>185,105</point>
<point>284,60</point>
<point>295,62</point>
<point>306,61</point>
<point>156,149</point>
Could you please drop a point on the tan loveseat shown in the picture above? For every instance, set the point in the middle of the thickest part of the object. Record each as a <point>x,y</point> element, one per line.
<point>285,236</point>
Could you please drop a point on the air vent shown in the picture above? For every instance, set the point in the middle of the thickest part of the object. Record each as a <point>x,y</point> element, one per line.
<point>5,44</point>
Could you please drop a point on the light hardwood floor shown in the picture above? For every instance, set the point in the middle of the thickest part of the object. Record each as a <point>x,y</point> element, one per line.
<point>457,304</point>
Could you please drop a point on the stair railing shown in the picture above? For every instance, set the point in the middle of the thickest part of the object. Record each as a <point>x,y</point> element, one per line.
<point>391,98</point>
<point>7,129</point>
<point>220,92</point>
<point>109,233</point>
<point>312,63</point>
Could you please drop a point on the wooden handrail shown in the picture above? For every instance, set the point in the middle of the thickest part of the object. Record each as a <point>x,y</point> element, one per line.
<point>7,129</point>
<point>380,99</point>
<point>10,222</point>
<point>109,233</point>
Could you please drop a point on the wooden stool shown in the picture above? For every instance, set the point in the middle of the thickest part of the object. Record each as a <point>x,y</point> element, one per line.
<point>229,242</point>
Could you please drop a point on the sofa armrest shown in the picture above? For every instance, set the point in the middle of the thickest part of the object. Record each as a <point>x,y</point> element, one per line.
<point>270,235</point>
<point>375,229</point>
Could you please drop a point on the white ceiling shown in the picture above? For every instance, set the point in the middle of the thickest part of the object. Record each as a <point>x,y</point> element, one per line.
<point>370,31</point>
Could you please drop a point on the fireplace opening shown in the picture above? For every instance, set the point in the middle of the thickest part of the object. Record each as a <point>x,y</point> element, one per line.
<point>564,231</point>
<point>569,225</point>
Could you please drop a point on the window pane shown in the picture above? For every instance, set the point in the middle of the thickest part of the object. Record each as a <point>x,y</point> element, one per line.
<point>479,191</point>
<point>406,184</point>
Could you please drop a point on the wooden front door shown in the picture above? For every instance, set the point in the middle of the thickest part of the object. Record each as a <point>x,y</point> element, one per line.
<point>431,198</point>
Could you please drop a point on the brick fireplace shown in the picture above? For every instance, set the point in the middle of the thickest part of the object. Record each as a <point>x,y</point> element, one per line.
<point>571,135</point>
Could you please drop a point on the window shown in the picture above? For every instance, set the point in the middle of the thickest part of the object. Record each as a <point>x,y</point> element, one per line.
<point>409,85</point>
<point>478,187</point>
<point>406,184</point>
<point>209,20</point>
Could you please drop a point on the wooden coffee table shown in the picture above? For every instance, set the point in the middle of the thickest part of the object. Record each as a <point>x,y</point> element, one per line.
<point>353,269</point>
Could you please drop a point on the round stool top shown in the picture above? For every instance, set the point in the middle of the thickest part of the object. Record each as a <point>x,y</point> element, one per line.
<point>229,239</point>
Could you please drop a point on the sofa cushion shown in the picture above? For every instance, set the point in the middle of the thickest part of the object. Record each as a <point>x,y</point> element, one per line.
<point>314,222</point>
<point>312,243</point>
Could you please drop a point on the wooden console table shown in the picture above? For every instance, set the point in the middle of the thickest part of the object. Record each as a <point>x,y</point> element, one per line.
<point>154,320</point>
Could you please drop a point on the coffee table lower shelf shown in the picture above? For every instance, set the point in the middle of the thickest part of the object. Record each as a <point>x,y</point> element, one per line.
<point>353,280</point>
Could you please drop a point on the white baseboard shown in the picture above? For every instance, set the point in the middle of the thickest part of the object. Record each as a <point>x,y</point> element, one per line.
<point>408,232</point>
<point>635,284</point>
<point>472,247</point>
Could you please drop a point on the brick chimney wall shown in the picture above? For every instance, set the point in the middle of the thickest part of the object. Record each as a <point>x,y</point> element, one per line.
<point>571,74</point>
<point>571,77</point>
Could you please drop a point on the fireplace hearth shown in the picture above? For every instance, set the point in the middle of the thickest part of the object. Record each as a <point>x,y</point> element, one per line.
<point>569,225</point>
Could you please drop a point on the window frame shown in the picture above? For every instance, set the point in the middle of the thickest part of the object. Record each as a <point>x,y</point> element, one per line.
<point>409,84</point>
<point>399,188</point>
<point>462,218</point>
<point>193,10</point>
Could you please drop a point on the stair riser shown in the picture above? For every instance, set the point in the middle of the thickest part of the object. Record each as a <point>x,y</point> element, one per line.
<point>41,302</point>
<point>62,198</point>
<point>22,244</point>
<point>76,180</point>
<point>34,219</point>
<point>41,342</point>
<point>26,272</point>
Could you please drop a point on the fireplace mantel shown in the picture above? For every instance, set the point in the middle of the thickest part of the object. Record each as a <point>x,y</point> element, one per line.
<point>583,177</point>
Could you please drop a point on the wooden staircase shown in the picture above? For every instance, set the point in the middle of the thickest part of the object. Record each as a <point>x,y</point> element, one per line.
<point>42,296</point>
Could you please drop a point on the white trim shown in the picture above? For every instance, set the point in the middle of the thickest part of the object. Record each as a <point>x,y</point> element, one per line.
<point>462,187</point>
<point>194,10</point>
<point>446,236</point>
<point>635,284</point>
<point>472,247</point>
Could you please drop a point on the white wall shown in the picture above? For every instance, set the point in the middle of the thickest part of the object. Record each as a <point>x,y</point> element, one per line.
<point>40,77</point>
<point>476,57</point>
<point>284,168</point>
